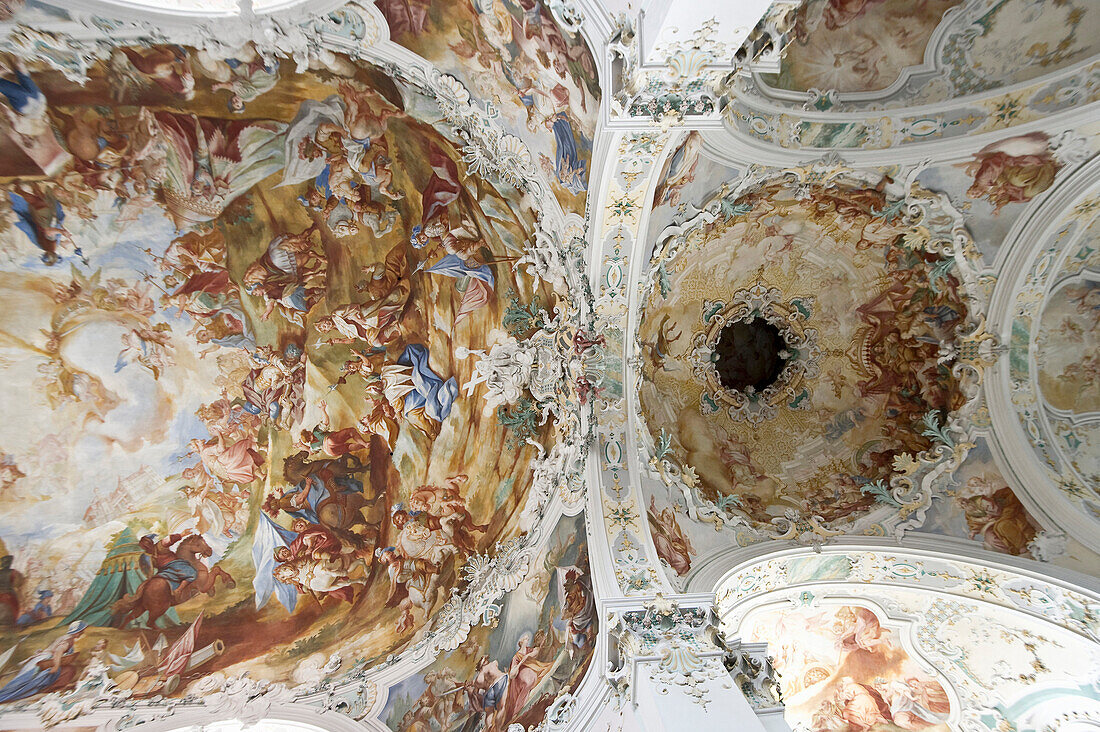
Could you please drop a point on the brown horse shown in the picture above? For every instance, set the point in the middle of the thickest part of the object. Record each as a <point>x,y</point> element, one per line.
<point>155,594</point>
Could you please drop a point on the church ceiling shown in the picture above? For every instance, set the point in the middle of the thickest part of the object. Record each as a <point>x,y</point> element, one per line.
<point>984,500</point>
<point>545,632</point>
<point>1049,427</point>
<point>856,641</point>
<point>310,312</point>
<point>870,75</point>
<point>865,50</point>
<point>856,46</point>
<point>540,78</point>
<point>792,351</point>
<point>834,659</point>
<point>255,429</point>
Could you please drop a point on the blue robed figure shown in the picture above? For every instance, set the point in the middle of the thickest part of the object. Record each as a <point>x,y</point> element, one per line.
<point>478,281</point>
<point>429,391</point>
<point>52,666</point>
<point>569,167</point>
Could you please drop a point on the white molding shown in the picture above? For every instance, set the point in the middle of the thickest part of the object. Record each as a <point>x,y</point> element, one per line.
<point>135,10</point>
<point>730,146</point>
<point>714,569</point>
<point>1028,236</point>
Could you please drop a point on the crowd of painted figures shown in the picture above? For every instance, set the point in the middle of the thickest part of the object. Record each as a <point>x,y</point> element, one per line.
<point>329,513</point>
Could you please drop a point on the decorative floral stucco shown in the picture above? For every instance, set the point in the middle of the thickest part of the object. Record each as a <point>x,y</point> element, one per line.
<point>783,242</point>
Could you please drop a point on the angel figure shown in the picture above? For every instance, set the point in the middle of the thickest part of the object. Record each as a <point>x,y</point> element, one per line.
<point>246,76</point>
<point>239,462</point>
<point>446,507</point>
<point>672,544</point>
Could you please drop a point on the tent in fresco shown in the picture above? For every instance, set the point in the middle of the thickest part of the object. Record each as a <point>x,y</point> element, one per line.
<point>120,574</point>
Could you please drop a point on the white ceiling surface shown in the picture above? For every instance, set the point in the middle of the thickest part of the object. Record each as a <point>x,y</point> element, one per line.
<point>266,725</point>
<point>192,7</point>
<point>665,22</point>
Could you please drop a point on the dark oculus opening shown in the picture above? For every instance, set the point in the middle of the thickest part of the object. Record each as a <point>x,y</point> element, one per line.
<point>748,354</point>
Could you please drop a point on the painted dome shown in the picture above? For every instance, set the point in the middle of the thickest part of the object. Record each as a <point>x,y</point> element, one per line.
<point>793,347</point>
<point>245,307</point>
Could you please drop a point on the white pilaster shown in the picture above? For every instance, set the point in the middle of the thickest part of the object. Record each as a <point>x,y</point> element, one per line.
<point>674,672</point>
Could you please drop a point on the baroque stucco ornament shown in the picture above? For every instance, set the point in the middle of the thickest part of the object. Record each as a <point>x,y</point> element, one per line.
<point>675,646</point>
<point>300,35</point>
<point>800,355</point>
<point>689,81</point>
<point>904,496</point>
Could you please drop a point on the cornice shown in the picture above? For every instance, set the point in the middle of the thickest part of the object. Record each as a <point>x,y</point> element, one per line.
<point>710,571</point>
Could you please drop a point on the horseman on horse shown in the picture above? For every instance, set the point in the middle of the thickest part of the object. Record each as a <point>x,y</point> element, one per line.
<point>168,565</point>
<point>179,575</point>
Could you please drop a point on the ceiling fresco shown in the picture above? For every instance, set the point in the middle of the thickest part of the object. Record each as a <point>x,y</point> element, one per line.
<point>241,301</point>
<point>1068,344</point>
<point>687,178</point>
<point>859,46</point>
<point>982,49</point>
<point>862,307</point>
<point>540,78</point>
<point>967,73</point>
<point>542,643</point>
<point>982,506</point>
<point>859,646</point>
<point>841,668</point>
<point>1068,364</point>
<point>994,186</point>
<point>860,51</point>
<point>978,503</point>
<point>308,322</point>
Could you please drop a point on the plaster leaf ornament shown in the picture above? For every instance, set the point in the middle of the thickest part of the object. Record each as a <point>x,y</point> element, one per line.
<point>568,15</point>
<point>1069,148</point>
<point>503,573</point>
<point>753,673</point>
<point>239,697</point>
<point>800,356</point>
<point>674,645</point>
<point>905,464</point>
<point>544,260</point>
<point>505,371</point>
<point>1047,546</point>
